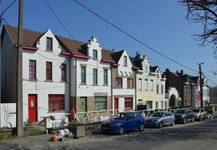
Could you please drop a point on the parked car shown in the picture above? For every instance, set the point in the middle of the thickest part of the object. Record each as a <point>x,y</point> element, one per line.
<point>160,119</point>
<point>199,113</point>
<point>184,115</point>
<point>123,122</point>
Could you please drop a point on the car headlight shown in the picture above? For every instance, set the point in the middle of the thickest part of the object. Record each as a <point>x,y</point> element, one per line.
<point>156,121</point>
<point>183,116</point>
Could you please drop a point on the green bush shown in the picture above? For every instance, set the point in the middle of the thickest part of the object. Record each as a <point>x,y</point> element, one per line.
<point>1,134</point>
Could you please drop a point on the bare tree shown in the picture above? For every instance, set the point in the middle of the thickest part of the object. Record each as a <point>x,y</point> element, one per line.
<point>204,12</point>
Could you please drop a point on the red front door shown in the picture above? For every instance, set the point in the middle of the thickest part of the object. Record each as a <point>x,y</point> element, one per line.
<point>116,105</point>
<point>32,107</point>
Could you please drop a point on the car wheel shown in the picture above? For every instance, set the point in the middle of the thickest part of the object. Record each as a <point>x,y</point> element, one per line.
<point>172,124</point>
<point>141,128</point>
<point>185,121</point>
<point>161,125</point>
<point>192,120</point>
<point>121,131</point>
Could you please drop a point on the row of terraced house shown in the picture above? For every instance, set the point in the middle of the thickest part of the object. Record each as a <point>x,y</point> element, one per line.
<point>60,74</point>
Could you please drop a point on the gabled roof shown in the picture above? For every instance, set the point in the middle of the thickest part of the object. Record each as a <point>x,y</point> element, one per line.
<point>117,55</point>
<point>153,68</point>
<point>30,39</point>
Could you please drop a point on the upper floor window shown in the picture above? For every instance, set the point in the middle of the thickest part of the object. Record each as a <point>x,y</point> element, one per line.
<point>32,69</point>
<point>129,83</point>
<point>157,89</point>
<point>162,88</point>
<point>48,70</point>
<point>49,44</point>
<point>125,61</point>
<point>140,84</point>
<point>83,75</point>
<point>119,82</point>
<point>95,76</point>
<point>105,76</point>
<point>146,84</point>
<point>63,72</point>
<point>95,54</point>
<point>152,84</point>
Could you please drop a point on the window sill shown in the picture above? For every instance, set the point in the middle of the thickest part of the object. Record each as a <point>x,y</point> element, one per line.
<point>48,80</point>
<point>95,59</point>
<point>61,111</point>
<point>33,80</point>
<point>62,81</point>
<point>94,84</point>
<point>48,50</point>
<point>105,84</point>
<point>83,84</point>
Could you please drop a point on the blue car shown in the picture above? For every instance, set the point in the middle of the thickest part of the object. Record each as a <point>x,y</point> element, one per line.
<point>123,122</point>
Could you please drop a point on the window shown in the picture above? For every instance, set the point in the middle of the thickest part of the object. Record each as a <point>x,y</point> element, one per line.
<point>157,89</point>
<point>32,69</point>
<point>63,72</point>
<point>149,105</point>
<point>48,70</point>
<point>128,103</point>
<point>162,104</point>
<point>125,61</point>
<point>140,84</point>
<point>156,105</point>
<point>129,83</point>
<point>95,76</point>
<point>119,82</point>
<point>95,54</point>
<point>49,44</point>
<point>83,75</point>
<point>56,102</point>
<point>100,103</point>
<point>162,88</point>
<point>146,84</point>
<point>105,76</point>
<point>152,85</point>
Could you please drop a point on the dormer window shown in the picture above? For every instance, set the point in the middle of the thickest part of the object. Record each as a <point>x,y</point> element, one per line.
<point>94,54</point>
<point>125,61</point>
<point>49,44</point>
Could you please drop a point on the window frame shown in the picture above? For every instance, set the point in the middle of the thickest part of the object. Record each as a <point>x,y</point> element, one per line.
<point>32,69</point>
<point>105,76</point>
<point>49,71</point>
<point>56,100</point>
<point>63,72</point>
<point>84,80</point>
<point>100,104</point>
<point>49,44</point>
<point>95,76</point>
<point>95,54</point>
<point>119,86</point>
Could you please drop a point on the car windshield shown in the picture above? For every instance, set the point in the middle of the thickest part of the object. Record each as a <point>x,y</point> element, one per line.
<point>158,114</point>
<point>182,111</point>
<point>120,116</point>
<point>195,110</point>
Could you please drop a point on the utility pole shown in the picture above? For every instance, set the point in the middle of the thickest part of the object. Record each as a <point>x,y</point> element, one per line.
<point>19,76</point>
<point>201,84</point>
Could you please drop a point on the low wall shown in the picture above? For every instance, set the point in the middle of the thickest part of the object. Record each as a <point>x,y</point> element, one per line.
<point>8,115</point>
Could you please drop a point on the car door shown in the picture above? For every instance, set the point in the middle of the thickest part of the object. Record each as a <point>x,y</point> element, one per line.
<point>131,123</point>
<point>166,118</point>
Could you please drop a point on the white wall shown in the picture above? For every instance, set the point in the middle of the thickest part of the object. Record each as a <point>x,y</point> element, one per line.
<point>8,115</point>
<point>89,88</point>
<point>41,87</point>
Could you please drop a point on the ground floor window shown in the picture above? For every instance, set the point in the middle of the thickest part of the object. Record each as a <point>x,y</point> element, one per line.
<point>149,105</point>
<point>100,103</point>
<point>128,103</point>
<point>56,102</point>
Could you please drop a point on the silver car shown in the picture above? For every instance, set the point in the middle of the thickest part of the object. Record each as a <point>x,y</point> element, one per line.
<point>199,113</point>
<point>160,119</point>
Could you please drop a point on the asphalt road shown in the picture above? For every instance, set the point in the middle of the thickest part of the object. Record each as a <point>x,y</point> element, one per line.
<point>196,136</point>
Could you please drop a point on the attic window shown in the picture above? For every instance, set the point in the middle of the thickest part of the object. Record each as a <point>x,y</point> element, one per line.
<point>125,61</point>
<point>49,44</point>
<point>94,54</point>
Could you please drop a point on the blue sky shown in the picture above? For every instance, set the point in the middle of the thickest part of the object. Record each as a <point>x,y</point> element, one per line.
<point>161,24</point>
